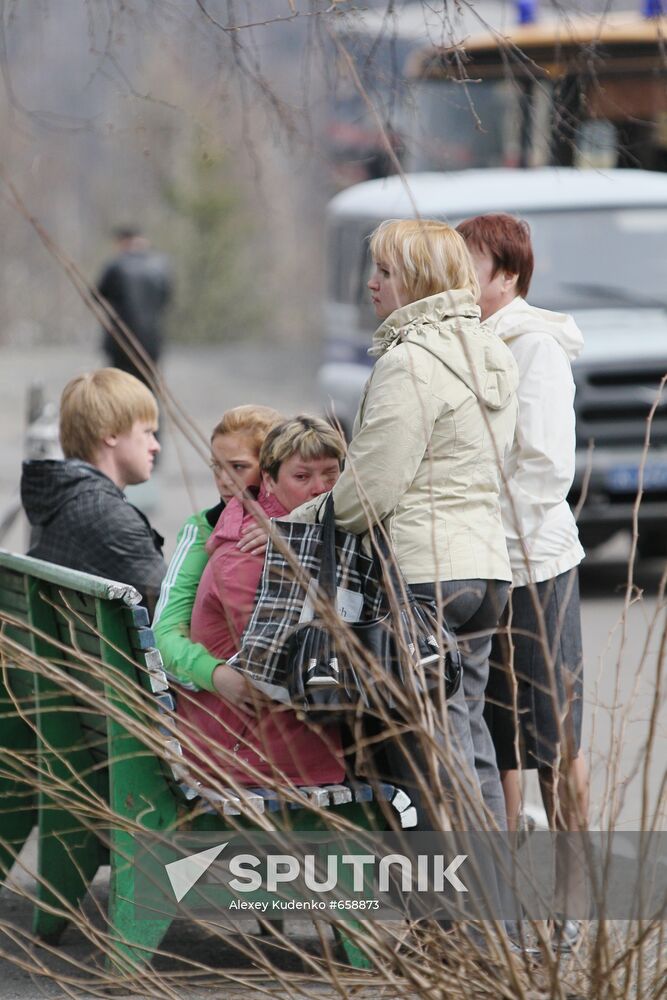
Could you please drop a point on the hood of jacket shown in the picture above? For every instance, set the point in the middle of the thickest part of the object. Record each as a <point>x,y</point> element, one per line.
<point>447,326</point>
<point>519,318</point>
<point>48,484</point>
<point>236,516</point>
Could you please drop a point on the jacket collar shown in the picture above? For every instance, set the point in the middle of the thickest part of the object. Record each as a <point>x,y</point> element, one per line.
<point>501,321</point>
<point>270,504</point>
<point>518,317</point>
<point>434,309</point>
<point>230,523</point>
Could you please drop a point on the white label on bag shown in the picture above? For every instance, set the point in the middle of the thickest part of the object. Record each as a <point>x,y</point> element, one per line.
<point>308,611</point>
<point>349,604</point>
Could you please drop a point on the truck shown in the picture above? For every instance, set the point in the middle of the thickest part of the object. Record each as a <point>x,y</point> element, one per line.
<point>600,242</point>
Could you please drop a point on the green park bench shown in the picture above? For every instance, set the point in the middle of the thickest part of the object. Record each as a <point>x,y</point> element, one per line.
<point>83,755</point>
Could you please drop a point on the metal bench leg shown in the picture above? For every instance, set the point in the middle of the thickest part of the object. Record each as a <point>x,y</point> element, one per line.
<point>141,798</point>
<point>69,852</point>
<point>134,941</point>
<point>348,950</point>
<point>69,856</point>
<point>18,813</point>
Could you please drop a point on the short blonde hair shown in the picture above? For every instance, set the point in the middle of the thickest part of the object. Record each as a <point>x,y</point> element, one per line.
<point>309,437</point>
<point>251,420</point>
<point>428,256</point>
<point>98,404</point>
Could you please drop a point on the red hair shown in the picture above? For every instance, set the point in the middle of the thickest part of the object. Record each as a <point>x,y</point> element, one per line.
<point>507,239</point>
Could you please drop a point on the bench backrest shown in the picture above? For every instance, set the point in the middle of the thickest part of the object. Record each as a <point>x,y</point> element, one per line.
<point>75,609</point>
<point>66,614</point>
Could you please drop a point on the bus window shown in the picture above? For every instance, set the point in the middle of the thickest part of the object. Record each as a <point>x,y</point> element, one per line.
<point>349,260</point>
<point>596,144</point>
<point>468,124</point>
<point>587,69</point>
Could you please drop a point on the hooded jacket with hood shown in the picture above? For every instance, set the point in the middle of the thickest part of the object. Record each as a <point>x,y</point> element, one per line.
<point>435,421</point>
<point>275,742</point>
<point>81,520</point>
<point>541,531</point>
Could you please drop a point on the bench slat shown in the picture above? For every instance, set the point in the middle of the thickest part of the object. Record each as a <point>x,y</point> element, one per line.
<point>400,801</point>
<point>324,796</point>
<point>82,604</point>
<point>18,635</point>
<point>408,818</point>
<point>137,615</point>
<point>141,638</point>
<point>12,581</point>
<point>271,801</point>
<point>166,701</point>
<point>84,583</point>
<point>11,600</point>
<point>231,805</point>
<point>79,639</point>
<point>317,795</point>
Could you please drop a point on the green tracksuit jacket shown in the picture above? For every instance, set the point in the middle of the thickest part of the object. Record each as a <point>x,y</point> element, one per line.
<point>189,661</point>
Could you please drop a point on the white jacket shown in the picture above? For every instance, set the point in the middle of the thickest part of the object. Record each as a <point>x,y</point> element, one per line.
<point>542,536</point>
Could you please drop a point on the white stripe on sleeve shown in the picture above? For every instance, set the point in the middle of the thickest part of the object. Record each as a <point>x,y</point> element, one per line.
<point>188,538</point>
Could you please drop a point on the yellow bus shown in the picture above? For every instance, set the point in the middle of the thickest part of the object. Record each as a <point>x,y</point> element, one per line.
<point>585,90</point>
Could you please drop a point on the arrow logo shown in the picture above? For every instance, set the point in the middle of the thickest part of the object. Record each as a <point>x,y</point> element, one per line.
<point>186,872</point>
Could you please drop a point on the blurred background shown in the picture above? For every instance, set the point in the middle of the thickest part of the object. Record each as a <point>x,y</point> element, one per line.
<point>222,129</point>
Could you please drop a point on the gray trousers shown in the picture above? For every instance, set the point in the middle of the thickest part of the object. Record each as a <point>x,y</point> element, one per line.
<point>471,609</point>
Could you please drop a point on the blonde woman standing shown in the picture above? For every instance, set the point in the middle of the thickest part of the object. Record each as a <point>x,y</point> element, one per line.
<point>436,418</point>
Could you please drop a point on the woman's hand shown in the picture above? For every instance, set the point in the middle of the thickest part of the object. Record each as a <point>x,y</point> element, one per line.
<point>254,540</point>
<point>237,689</point>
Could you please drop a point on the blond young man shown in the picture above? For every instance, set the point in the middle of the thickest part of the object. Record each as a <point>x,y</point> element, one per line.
<point>76,506</point>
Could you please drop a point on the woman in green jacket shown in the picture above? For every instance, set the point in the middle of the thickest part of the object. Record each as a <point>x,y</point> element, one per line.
<point>235,444</point>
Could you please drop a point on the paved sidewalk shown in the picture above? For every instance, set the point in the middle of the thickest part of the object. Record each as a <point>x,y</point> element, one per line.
<point>205,380</point>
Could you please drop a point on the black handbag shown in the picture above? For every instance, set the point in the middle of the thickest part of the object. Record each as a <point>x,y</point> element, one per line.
<point>333,672</point>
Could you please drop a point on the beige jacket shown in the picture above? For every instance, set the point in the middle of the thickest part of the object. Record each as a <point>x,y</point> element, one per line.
<point>434,424</point>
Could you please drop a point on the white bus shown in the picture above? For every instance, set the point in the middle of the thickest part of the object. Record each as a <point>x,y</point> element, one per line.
<point>600,240</point>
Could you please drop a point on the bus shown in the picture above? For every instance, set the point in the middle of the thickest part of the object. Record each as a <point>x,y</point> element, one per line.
<point>580,90</point>
<point>379,43</point>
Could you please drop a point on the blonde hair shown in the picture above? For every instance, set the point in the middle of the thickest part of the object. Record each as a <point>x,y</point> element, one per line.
<point>101,403</point>
<point>251,420</point>
<point>428,256</point>
<point>309,437</point>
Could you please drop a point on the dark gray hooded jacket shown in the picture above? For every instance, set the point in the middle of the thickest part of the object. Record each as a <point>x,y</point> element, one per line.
<point>81,520</point>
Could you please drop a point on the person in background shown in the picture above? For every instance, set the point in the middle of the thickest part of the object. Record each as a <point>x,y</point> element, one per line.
<point>76,507</point>
<point>542,536</point>
<point>137,284</point>
<point>235,444</point>
<point>256,737</point>
<point>435,419</point>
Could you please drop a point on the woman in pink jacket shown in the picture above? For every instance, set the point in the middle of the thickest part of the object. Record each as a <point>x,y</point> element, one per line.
<point>236,733</point>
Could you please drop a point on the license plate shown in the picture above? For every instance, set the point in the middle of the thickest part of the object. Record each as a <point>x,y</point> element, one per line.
<point>625,478</point>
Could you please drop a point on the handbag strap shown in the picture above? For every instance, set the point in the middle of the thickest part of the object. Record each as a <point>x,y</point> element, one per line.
<point>384,561</point>
<point>387,569</point>
<point>327,575</point>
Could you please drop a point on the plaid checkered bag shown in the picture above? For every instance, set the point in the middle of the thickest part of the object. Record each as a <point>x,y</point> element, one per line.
<point>283,591</point>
